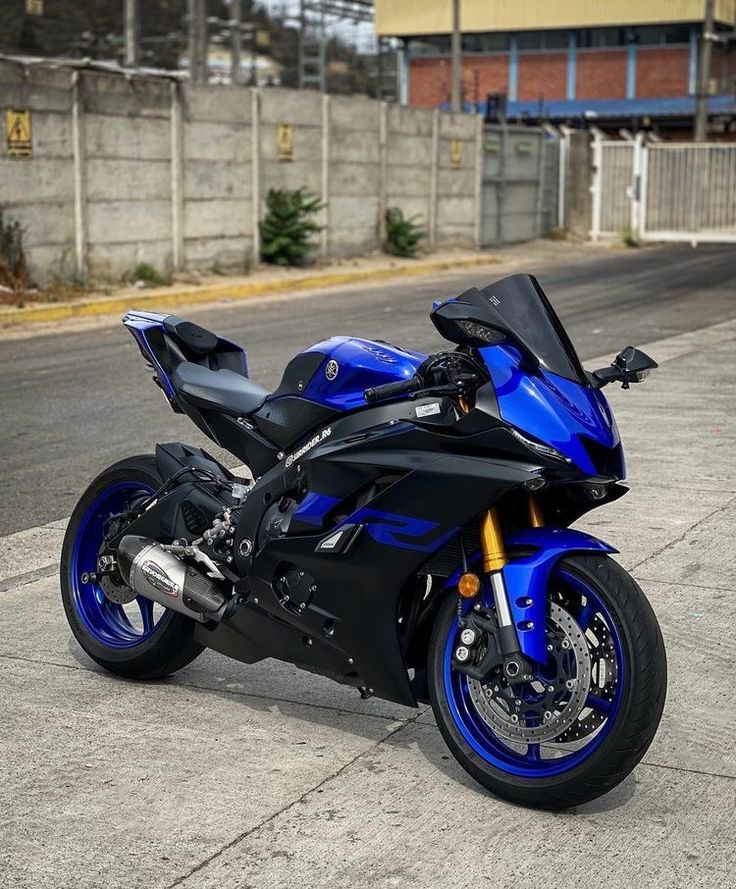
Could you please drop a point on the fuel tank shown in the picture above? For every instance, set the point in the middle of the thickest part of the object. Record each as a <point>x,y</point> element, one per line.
<point>336,371</point>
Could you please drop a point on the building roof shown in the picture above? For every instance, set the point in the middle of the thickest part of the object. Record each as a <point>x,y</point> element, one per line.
<point>407,18</point>
<point>608,109</point>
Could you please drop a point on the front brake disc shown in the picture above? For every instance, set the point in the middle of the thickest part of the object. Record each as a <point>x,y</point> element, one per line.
<point>541,710</point>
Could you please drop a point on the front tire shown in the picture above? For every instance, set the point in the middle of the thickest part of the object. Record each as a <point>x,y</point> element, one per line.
<point>137,640</point>
<point>602,608</point>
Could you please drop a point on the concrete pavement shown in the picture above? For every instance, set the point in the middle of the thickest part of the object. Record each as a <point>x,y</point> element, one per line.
<point>261,776</point>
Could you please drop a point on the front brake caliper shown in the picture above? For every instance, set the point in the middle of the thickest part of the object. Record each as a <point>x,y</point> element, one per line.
<point>477,649</point>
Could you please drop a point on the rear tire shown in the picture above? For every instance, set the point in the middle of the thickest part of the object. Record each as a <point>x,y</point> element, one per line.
<point>158,647</point>
<point>634,722</point>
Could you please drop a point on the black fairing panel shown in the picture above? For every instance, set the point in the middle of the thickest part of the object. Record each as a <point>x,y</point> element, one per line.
<point>172,457</point>
<point>348,628</point>
<point>186,502</point>
<point>287,418</point>
<point>298,372</point>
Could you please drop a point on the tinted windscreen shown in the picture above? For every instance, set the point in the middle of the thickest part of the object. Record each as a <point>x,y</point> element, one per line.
<point>518,305</point>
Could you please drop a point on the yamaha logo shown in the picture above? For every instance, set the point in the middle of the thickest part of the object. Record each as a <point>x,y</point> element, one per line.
<point>332,369</point>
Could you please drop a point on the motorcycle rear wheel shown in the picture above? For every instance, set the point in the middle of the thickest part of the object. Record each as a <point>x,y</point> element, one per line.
<point>603,609</point>
<point>137,640</point>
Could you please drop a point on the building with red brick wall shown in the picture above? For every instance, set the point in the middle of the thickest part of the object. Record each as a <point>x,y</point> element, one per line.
<point>571,55</point>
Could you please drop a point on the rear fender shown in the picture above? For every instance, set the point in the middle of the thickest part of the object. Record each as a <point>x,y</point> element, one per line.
<point>527,579</point>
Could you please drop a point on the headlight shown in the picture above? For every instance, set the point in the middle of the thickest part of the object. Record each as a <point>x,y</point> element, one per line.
<point>481,333</point>
<point>537,447</point>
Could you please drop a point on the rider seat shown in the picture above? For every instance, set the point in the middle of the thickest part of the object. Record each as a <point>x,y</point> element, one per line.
<point>221,390</point>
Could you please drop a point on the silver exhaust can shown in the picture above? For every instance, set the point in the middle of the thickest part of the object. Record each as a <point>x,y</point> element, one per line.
<point>159,575</point>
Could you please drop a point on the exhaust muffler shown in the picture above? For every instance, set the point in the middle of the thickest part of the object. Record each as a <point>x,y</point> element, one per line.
<point>157,574</point>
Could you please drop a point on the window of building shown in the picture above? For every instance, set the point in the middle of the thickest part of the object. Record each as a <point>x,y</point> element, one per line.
<point>438,44</point>
<point>484,43</point>
<point>657,35</point>
<point>555,40</point>
<point>529,40</point>
<point>601,38</point>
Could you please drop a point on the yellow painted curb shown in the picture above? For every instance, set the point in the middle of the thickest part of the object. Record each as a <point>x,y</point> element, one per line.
<point>167,299</point>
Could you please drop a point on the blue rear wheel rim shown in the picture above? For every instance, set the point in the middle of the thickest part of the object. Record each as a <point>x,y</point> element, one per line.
<point>111,625</point>
<point>537,760</point>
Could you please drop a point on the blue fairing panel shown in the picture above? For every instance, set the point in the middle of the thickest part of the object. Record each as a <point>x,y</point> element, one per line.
<point>140,324</point>
<point>313,509</point>
<point>527,579</point>
<point>149,330</point>
<point>553,409</point>
<point>356,365</point>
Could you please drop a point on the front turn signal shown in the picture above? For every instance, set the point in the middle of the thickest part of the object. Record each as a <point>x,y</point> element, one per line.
<point>468,585</point>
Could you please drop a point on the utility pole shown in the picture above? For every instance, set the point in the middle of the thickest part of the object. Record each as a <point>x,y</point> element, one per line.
<point>701,95</point>
<point>197,40</point>
<point>236,37</point>
<point>131,27</point>
<point>457,59</point>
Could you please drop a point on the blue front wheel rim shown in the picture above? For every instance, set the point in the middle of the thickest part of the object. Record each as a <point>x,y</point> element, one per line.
<point>538,760</point>
<point>110,625</point>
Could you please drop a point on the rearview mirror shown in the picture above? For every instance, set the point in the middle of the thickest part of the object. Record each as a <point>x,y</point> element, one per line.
<point>629,366</point>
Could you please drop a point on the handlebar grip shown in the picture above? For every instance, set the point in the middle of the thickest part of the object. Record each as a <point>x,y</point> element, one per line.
<point>387,390</point>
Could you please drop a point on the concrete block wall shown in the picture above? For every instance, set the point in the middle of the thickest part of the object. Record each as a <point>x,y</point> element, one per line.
<point>126,151</point>
<point>216,177</point>
<point>458,180</point>
<point>40,192</point>
<point>354,170</point>
<point>138,169</point>
<point>410,157</point>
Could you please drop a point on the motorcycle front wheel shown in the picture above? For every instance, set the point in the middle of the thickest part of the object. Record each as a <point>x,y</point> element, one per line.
<point>589,714</point>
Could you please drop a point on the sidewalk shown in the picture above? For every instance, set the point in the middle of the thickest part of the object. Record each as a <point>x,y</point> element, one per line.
<point>271,280</point>
<point>230,775</point>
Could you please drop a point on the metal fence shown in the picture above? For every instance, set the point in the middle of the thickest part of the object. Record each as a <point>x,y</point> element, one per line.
<point>614,164</point>
<point>689,192</point>
<point>670,191</point>
<point>520,195</point>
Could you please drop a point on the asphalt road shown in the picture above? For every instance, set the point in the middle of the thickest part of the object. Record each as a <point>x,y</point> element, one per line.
<point>73,402</point>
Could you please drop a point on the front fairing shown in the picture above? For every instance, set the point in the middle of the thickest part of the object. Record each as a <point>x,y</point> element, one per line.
<point>571,417</point>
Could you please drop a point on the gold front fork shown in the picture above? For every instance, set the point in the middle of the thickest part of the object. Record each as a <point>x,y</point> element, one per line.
<point>494,558</point>
<point>536,517</point>
<point>494,552</point>
<point>491,541</point>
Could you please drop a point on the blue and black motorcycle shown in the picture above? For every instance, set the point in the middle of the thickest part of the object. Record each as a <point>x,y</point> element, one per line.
<point>405,529</point>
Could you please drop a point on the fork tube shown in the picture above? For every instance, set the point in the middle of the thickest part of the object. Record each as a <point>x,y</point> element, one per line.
<point>494,558</point>
<point>536,516</point>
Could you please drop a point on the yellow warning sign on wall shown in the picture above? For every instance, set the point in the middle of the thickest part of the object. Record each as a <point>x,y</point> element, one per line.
<point>18,132</point>
<point>456,154</point>
<point>285,142</point>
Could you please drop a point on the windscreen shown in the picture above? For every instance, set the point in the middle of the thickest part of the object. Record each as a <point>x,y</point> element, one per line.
<point>518,306</point>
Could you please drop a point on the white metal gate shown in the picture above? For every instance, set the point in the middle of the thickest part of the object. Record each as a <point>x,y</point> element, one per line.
<point>665,191</point>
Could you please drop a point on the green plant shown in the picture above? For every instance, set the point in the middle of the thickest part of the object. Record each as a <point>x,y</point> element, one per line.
<point>146,273</point>
<point>13,266</point>
<point>402,235</point>
<point>288,226</point>
<point>630,237</point>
